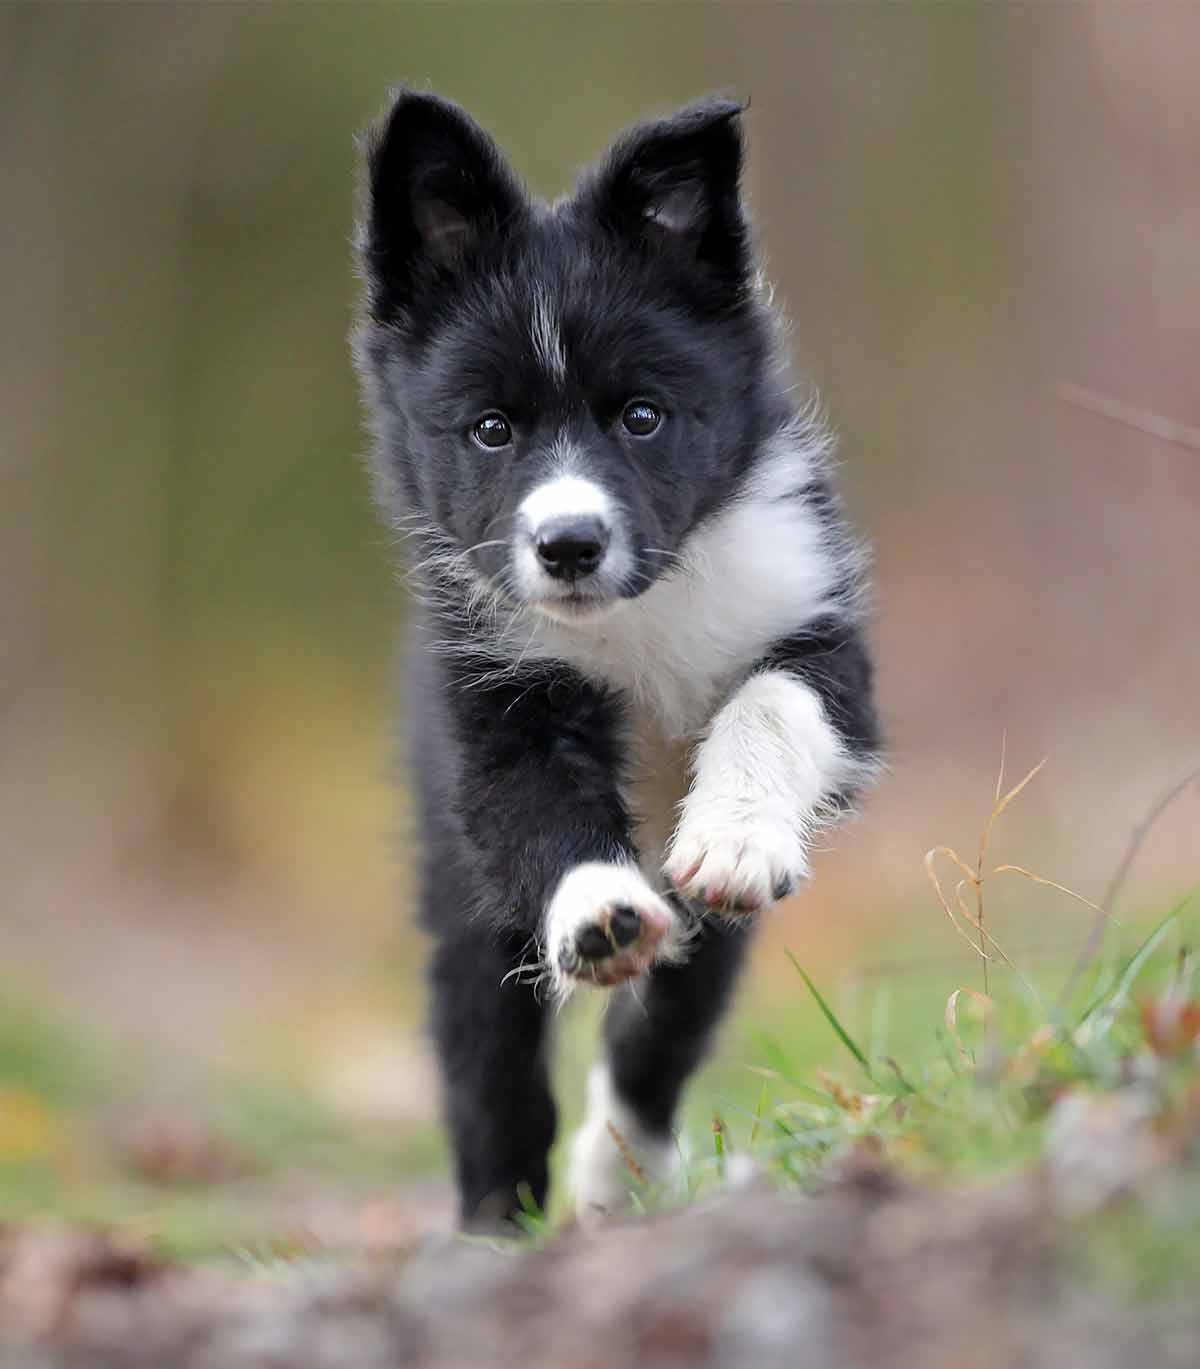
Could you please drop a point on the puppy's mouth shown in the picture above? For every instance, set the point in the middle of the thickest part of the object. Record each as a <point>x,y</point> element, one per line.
<point>577,606</point>
<point>592,599</point>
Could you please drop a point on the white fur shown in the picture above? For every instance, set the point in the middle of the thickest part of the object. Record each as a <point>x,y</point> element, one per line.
<point>563,496</point>
<point>547,340</point>
<point>586,896</point>
<point>600,1177</point>
<point>767,766</point>
<point>755,573</point>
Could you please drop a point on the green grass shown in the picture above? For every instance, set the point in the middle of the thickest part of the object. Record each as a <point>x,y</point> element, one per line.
<point>808,1071</point>
<point>65,1102</point>
<point>954,1093</point>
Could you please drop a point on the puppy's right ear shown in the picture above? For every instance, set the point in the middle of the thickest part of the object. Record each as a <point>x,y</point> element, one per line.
<point>438,190</point>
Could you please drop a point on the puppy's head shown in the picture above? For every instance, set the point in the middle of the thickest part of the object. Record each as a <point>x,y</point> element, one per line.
<point>561,394</point>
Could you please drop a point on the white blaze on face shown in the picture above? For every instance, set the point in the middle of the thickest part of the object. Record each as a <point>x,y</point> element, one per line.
<point>564,496</point>
<point>547,339</point>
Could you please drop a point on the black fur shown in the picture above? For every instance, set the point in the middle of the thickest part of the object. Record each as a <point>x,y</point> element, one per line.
<point>523,784</point>
<point>521,766</point>
<point>657,1036</point>
<point>643,307</point>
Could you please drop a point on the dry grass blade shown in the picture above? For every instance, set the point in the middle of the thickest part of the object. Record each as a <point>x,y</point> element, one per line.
<point>998,807</point>
<point>975,879</point>
<point>1003,803</point>
<point>849,1100</point>
<point>983,1000</point>
<point>626,1153</point>
<point>719,1144</point>
<point>1049,883</point>
<point>1108,903</point>
<point>950,854</point>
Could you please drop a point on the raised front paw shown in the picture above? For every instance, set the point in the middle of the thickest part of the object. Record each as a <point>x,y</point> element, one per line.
<point>606,924</point>
<point>735,865</point>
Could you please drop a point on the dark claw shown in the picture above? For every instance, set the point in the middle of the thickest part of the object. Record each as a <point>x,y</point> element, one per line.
<point>783,887</point>
<point>625,924</point>
<point>592,944</point>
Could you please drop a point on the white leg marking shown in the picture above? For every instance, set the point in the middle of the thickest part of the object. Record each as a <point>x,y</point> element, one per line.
<point>600,1175</point>
<point>584,905</point>
<point>760,775</point>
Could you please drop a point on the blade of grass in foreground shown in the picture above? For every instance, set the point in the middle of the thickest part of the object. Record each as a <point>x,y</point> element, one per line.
<point>1114,994</point>
<point>781,1065</point>
<point>843,1035</point>
<point>759,1110</point>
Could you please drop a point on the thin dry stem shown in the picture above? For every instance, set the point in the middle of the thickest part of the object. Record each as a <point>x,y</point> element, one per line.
<point>1000,772</point>
<point>627,1157</point>
<point>1104,911</point>
<point>998,807</point>
<point>1142,420</point>
<point>1049,883</point>
<point>986,1003</point>
<point>976,878</point>
<point>930,857</point>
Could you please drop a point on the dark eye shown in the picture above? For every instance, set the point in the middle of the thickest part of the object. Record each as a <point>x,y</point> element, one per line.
<point>640,418</point>
<point>492,431</point>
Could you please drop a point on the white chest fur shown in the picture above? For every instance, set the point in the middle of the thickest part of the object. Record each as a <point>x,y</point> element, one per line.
<point>754,574</point>
<point>757,572</point>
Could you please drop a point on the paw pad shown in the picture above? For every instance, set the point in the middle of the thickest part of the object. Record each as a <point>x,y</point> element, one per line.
<point>606,924</point>
<point>596,942</point>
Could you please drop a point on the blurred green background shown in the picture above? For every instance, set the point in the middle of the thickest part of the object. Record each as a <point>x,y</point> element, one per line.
<point>982,220</point>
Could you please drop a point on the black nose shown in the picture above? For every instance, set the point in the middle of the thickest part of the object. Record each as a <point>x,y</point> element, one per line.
<point>570,548</point>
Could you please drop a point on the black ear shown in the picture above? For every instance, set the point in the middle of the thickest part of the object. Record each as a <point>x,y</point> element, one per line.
<point>674,184</point>
<point>437,189</point>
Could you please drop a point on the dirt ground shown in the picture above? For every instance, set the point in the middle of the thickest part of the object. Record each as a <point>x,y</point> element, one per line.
<point>875,1270</point>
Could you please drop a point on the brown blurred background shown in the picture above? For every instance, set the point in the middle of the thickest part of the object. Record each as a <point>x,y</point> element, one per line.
<point>984,221</point>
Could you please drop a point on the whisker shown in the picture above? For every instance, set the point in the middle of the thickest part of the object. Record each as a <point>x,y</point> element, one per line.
<point>637,998</point>
<point>479,546</point>
<point>526,967</point>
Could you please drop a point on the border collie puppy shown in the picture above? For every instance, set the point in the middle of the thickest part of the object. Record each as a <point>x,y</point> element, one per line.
<point>639,681</point>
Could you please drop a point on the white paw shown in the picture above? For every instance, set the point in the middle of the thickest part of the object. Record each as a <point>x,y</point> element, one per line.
<point>606,924</point>
<point>734,863</point>
<point>613,1155</point>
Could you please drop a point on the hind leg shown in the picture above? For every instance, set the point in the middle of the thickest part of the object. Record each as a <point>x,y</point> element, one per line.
<point>655,1033</point>
<point>491,1037</point>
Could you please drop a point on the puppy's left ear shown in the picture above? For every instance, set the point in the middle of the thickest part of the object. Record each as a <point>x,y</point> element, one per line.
<point>674,185</point>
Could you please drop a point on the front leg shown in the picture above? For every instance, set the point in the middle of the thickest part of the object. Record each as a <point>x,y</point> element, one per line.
<point>552,840</point>
<point>791,745</point>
